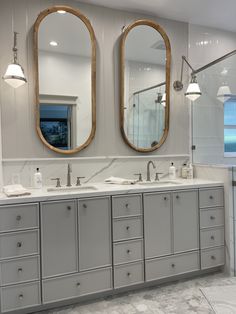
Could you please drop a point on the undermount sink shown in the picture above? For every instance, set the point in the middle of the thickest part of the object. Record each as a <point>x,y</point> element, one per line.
<point>166,182</point>
<point>72,188</point>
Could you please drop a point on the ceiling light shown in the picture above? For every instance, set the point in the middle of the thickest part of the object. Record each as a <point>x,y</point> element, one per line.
<point>193,91</point>
<point>61,11</point>
<point>53,43</point>
<point>14,75</point>
<point>224,93</point>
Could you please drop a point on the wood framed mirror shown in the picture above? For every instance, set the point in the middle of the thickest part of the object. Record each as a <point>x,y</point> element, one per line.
<point>65,70</point>
<point>145,57</point>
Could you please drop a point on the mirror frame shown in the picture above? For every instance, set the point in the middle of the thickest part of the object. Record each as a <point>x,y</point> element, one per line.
<point>87,23</point>
<point>161,31</point>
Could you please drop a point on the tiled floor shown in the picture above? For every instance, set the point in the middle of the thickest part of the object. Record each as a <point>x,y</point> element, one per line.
<point>176,298</point>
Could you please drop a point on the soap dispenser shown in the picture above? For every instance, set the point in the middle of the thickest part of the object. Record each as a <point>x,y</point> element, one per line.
<point>172,172</point>
<point>38,182</point>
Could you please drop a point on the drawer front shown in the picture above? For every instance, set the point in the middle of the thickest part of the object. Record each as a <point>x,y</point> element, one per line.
<point>19,270</point>
<point>127,228</point>
<point>20,296</point>
<point>129,274</point>
<point>72,286</point>
<point>211,217</point>
<point>170,266</point>
<point>126,205</point>
<point>213,257</point>
<point>212,237</point>
<point>16,217</point>
<point>19,244</point>
<point>211,197</point>
<point>128,251</point>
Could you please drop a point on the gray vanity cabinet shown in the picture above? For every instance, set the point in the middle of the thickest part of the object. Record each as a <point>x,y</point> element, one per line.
<point>185,221</point>
<point>157,224</point>
<point>94,224</point>
<point>59,238</point>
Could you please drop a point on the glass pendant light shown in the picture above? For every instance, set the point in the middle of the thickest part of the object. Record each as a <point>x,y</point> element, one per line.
<point>14,75</point>
<point>224,93</point>
<point>193,91</point>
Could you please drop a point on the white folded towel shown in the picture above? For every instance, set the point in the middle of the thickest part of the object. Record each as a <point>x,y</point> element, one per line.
<point>116,180</point>
<point>15,190</point>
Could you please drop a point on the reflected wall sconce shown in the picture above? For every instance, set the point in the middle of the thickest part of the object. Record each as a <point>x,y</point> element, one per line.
<point>14,75</point>
<point>163,99</point>
<point>193,91</point>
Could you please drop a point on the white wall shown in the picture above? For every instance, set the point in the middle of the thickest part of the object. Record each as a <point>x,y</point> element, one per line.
<point>18,121</point>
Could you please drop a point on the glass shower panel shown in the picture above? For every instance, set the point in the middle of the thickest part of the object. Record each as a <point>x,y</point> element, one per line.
<point>214,114</point>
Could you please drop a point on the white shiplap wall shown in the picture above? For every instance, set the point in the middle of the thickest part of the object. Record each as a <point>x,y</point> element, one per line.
<point>19,138</point>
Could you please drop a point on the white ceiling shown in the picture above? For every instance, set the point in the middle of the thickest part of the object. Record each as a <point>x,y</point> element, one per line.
<point>213,13</point>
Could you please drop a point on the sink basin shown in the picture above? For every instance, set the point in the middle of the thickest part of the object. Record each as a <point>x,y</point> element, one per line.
<point>154,183</point>
<point>72,188</point>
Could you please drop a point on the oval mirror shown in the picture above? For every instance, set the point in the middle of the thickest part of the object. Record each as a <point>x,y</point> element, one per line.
<point>145,85</point>
<point>65,57</point>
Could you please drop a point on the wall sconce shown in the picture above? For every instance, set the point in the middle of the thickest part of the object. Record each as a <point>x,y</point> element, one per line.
<point>14,75</point>
<point>193,90</point>
<point>163,99</point>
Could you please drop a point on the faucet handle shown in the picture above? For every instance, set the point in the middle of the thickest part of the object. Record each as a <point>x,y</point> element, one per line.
<point>157,176</point>
<point>78,183</point>
<point>140,179</point>
<point>58,185</point>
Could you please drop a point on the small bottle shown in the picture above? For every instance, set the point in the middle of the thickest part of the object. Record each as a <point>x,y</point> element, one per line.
<point>184,171</point>
<point>38,182</point>
<point>190,172</point>
<point>172,172</point>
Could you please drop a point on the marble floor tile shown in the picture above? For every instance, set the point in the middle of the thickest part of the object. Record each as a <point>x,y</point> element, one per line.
<point>174,298</point>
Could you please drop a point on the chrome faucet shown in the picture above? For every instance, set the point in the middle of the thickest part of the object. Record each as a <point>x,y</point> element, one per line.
<point>148,169</point>
<point>69,171</point>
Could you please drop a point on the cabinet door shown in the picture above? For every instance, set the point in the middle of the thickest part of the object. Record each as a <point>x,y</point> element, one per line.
<point>185,221</point>
<point>94,233</point>
<point>59,238</point>
<point>157,224</point>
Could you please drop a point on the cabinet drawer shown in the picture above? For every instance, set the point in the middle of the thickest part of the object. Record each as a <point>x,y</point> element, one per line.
<point>170,266</point>
<point>19,270</point>
<point>212,217</point>
<point>16,217</point>
<point>72,286</point>
<point>213,257</point>
<point>128,251</point>
<point>19,244</point>
<point>129,274</point>
<point>20,296</point>
<point>212,237</point>
<point>211,197</point>
<point>126,205</point>
<point>128,228</point>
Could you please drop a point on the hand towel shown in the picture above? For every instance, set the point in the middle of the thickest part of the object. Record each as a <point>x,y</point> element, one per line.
<point>15,190</point>
<point>122,181</point>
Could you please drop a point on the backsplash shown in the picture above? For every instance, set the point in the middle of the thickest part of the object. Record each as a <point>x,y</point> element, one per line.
<point>93,169</point>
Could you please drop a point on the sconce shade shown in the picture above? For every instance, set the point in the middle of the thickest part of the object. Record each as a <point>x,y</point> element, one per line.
<point>224,93</point>
<point>193,91</point>
<point>14,75</point>
<point>163,100</point>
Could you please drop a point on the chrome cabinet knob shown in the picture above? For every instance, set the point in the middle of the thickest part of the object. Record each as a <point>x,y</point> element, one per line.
<point>21,296</point>
<point>129,274</point>
<point>211,197</point>
<point>177,197</point>
<point>173,265</point>
<point>18,217</point>
<point>20,270</point>
<point>84,206</point>
<point>128,251</point>
<point>78,284</point>
<point>212,217</point>
<point>68,207</point>
<point>127,206</point>
<point>165,198</point>
<point>212,237</point>
<point>128,227</point>
<point>19,244</point>
<point>213,257</point>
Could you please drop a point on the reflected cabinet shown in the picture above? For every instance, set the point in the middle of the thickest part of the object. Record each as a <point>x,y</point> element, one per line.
<point>65,62</point>
<point>144,85</point>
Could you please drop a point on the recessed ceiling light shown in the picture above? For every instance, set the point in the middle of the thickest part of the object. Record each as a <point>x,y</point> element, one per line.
<point>61,11</point>
<point>53,43</point>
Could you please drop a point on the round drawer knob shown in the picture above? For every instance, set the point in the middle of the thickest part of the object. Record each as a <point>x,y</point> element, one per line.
<point>165,198</point>
<point>19,244</point>
<point>127,206</point>
<point>213,257</point>
<point>173,265</point>
<point>212,217</point>
<point>21,296</point>
<point>84,206</point>
<point>78,284</point>
<point>18,217</point>
<point>129,274</point>
<point>128,251</point>
<point>211,197</point>
<point>212,237</point>
<point>20,270</point>
<point>68,207</point>
<point>128,227</point>
<point>177,197</point>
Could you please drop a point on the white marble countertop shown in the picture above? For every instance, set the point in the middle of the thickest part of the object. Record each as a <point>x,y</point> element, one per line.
<point>38,195</point>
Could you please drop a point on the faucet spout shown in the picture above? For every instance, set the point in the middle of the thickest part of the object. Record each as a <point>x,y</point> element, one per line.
<point>148,169</point>
<point>69,171</point>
